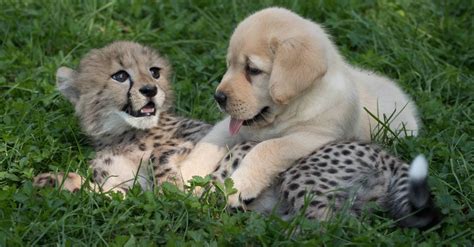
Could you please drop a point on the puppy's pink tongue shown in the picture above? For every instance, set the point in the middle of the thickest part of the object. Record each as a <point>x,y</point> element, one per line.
<point>234,126</point>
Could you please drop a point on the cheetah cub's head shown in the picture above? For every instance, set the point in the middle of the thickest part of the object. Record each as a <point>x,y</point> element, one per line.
<point>116,88</point>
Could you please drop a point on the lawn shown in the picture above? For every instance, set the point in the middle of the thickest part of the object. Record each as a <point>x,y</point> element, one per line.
<point>428,47</point>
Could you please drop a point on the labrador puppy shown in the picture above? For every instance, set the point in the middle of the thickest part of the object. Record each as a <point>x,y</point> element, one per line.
<point>288,87</point>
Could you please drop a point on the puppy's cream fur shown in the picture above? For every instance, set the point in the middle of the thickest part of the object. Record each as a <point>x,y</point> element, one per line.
<point>314,97</point>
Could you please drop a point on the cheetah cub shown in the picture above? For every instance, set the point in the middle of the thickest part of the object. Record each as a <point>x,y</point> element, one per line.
<point>121,94</point>
<point>344,175</point>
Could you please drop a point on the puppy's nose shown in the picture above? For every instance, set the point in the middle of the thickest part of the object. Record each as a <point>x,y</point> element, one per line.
<point>148,90</point>
<point>221,98</point>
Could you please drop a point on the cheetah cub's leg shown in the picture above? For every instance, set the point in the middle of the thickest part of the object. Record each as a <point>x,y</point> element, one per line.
<point>264,203</point>
<point>165,160</point>
<point>117,173</point>
<point>232,160</point>
<point>230,163</point>
<point>110,173</point>
<point>71,182</point>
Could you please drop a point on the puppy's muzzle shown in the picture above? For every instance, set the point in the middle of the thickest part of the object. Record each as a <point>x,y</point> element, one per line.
<point>221,99</point>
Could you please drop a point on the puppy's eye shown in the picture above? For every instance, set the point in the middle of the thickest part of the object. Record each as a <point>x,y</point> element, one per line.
<point>253,71</point>
<point>120,76</point>
<point>155,72</point>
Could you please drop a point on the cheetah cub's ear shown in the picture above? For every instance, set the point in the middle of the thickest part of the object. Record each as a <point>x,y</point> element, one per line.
<point>65,84</point>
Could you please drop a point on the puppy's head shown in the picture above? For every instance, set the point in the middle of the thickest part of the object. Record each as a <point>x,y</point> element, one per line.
<point>274,55</point>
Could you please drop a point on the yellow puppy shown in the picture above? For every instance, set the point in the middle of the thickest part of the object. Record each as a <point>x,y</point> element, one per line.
<point>288,88</point>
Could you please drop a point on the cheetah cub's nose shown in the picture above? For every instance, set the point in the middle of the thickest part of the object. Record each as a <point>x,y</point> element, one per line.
<point>148,90</point>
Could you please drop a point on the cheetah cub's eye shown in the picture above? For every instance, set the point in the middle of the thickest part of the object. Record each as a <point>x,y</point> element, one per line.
<point>120,76</point>
<point>155,72</point>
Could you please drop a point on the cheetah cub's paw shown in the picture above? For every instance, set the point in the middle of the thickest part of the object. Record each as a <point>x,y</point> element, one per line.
<point>72,182</point>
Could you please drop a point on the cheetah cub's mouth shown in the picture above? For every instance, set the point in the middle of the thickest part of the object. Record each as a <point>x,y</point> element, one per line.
<point>146,111</point>
<point>144,118</point>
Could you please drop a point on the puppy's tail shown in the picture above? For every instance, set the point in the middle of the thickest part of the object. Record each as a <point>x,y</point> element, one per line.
<point>409,199</point>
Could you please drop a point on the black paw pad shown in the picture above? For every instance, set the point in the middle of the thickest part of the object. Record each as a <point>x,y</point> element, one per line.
<point>45,182</point>
<point>248,201</point>
<point>236,209</point>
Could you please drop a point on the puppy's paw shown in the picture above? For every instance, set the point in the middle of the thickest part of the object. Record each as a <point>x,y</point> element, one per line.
<point>236,202</point>
<point>245,195</point>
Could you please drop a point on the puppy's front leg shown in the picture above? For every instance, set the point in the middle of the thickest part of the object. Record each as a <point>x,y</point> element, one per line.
<point>204,158</point>
<point>268,159</point>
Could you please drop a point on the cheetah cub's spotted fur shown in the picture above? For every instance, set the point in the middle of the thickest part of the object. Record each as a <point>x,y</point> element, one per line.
<point>122,96</point>
<point>344,175</point>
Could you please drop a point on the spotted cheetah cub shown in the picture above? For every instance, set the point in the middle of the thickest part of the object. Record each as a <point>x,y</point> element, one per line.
<point>122,96</point>
<point>344,175</point>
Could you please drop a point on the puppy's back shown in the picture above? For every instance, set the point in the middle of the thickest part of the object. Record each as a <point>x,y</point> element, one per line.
<point>382,96</point>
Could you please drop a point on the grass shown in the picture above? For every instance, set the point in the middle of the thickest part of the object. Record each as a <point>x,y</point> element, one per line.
<point>426,45</point>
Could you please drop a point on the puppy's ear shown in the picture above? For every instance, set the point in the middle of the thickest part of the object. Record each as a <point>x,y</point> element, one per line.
<point>298,63</point>
<point>65,84</point>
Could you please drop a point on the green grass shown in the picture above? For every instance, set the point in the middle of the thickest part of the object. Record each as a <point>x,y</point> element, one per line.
<point>427,46</point>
